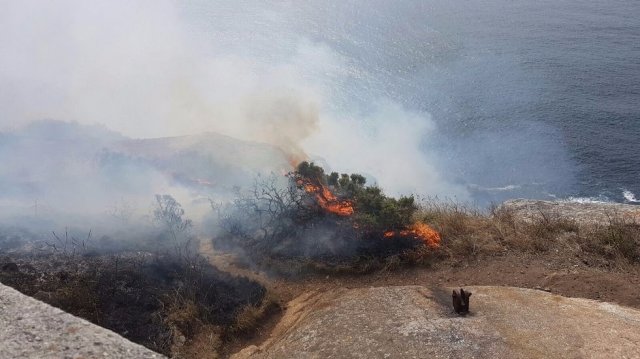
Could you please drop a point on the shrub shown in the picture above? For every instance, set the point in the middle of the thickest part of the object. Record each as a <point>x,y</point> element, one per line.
<point>308,214</point>
<point>619,239</point>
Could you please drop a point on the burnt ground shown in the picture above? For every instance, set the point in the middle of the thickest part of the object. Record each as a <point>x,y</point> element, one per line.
<point>551,272</point>
<point>159,301</point>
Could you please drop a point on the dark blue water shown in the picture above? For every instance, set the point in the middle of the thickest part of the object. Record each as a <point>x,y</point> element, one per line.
<point>531,98</point>
<point>572,67</point>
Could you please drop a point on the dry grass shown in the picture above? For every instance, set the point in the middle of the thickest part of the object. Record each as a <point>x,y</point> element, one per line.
<point>207,343</point>
<point>183,317</point>
<point>469,233</point>
<point>193,337</point>
<point>250,316</point>
<point>619,240</point>
<point>190,336</point>
<point>465,231</point>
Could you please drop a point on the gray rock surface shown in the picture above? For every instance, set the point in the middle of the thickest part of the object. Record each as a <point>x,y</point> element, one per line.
<point>416,322</point>
<point>33,329</point>
<point>588,212</point>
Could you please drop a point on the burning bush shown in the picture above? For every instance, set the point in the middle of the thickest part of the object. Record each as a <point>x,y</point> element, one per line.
<point>334,217</point>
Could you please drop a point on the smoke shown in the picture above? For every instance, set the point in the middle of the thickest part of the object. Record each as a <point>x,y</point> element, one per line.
<point>361,86</point>
<point>157,68</point>
<point>386,144</point>
<point>139,69</point>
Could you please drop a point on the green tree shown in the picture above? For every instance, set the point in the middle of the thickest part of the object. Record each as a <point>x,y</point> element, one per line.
<point>310,170</point>
<point>344,180</point>
<point>358,179</point>
<point>333,179</point>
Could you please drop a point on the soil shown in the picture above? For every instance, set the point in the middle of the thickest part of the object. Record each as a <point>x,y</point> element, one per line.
<point>549,272</point>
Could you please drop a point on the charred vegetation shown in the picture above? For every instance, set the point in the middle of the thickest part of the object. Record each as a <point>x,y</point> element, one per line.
<point>157,300</point>
<point>165,295</point>
<point>157,290</point>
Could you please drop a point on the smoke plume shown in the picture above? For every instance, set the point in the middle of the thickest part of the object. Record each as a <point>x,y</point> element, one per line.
<point>153,68</point>
<point>343,84</point>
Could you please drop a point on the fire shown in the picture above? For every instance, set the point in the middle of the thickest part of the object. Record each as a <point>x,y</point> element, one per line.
<point>428,235</point>
<point>328,201</point>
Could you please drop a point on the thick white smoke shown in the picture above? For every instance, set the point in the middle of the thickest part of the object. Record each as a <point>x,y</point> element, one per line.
<point>161,68</point>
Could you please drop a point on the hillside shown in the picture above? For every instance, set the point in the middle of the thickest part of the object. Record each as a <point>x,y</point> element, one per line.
<point>578,261</point>
<point>52,169</point>
<point>209,161</point>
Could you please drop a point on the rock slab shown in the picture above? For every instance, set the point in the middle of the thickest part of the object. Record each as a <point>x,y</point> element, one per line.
<point>417,322</point>
<point>33,329</point>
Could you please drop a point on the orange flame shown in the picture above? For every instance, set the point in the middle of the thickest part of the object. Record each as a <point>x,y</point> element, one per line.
<point>328,201</point>
<point>428,235</point>
<point>341,207</point>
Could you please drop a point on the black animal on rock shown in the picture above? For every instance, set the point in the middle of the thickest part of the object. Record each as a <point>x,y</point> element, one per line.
<point>461,301</point>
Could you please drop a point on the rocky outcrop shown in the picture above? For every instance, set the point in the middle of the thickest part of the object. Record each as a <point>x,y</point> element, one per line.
<point>416,322</point>
<point>582,212</point>
<point>32,329</point>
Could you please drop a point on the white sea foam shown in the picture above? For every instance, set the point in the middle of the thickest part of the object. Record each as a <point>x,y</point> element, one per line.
<point>600,199</point>
<point>510,187</point>
<point>629,196</point>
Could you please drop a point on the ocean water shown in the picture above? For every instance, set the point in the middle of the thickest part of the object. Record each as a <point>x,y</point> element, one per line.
<point>535,99</point>
<point>571,67</point>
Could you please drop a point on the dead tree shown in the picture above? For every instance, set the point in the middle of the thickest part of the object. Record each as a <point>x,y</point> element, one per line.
<point>266,214</point>
<point>461,301</point>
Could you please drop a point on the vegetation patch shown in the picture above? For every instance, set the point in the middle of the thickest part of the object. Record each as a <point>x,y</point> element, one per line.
<point>164,303</point>
<point>169,299</point>
<point>469,233</point>
<point>317,220</point>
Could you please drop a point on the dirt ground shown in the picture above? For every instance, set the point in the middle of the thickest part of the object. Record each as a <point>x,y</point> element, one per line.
<point>569,277</point>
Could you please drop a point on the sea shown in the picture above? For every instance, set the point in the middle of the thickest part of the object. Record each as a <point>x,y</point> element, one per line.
<point>536,99</point>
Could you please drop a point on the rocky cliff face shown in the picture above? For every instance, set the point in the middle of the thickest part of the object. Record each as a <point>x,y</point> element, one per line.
<point>417,322</point>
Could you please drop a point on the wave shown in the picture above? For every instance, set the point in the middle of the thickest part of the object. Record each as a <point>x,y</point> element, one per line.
<point>478,188</point>
<point>629,196</point>
<point>599,199</point>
